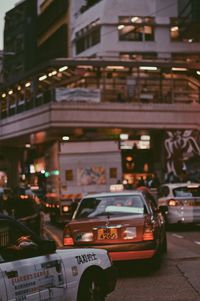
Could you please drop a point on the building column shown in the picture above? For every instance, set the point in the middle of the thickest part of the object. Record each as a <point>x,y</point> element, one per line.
<point>10,163</point>
<point>52,168</point>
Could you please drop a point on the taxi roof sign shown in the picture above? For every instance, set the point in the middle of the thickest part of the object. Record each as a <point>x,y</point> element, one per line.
<point>116,187</point>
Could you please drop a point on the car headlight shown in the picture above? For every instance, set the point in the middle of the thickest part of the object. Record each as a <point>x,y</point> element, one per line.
<point>84,236</point>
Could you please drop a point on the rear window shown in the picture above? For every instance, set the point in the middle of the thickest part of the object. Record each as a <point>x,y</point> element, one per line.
<point>111,205</point>
<point>187,191</point>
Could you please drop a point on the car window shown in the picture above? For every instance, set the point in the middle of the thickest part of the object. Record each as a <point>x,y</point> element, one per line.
<point>15,242</point>
<point>187,191</point>
<point>150,201</point>
<point>110,205</point>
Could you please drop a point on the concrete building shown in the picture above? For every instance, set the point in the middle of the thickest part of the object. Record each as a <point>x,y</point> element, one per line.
<point>19,40</point>
<point>132,30</point>
<point>133,74</point>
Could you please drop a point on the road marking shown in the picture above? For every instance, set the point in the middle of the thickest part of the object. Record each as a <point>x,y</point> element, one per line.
<point>178,236</point>
<point>197,242</point>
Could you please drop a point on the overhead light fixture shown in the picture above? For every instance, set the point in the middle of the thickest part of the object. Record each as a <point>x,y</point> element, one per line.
<point>27,145</point>
<point>10,92</point>
<point>63,68</point>
<point>43,77</point>
<point>19,88</point>
<point>52,73</point>
<point>3,95</point>
<point>150,68</point>
<point>145,137</point>
<point>120,26</point>
<point>198,72</point>
<point>134,19</point>
<point>175,28</point>
<point>65,138</point>
<point>27,84</point>
<point>115,67</point>
<point>123,136</point>
<point>179,69</point>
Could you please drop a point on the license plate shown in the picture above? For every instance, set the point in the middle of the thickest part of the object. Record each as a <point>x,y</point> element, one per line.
<point>107,233</point>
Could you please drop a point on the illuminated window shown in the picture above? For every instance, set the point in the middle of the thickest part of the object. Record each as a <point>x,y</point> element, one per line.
<point>179,31</point>
<point>136,28</point>
<point>69,175</point>
<point>113,173</point>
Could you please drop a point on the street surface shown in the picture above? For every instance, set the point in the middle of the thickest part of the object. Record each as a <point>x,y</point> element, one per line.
<point>178,278</point>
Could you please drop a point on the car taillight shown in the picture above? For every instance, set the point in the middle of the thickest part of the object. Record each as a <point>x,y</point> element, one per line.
<point>65,208</point>
<point>173,203</point>
<point>148,230</point>
<point>67,238</point>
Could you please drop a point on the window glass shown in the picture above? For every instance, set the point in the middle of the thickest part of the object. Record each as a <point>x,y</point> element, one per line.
<point>187,191</point>
<point>136,28</point>
<point>179,31</point>
<point>111,205</point>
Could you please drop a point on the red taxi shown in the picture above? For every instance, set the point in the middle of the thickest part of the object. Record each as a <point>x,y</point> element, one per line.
<point>127,224</point>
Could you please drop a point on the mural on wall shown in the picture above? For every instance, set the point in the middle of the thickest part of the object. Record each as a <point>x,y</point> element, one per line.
<point>181,148</point>
<point>94,175</point>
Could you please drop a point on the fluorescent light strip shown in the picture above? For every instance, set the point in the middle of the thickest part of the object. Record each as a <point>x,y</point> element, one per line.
<point>63,68</point>
<point>43,77</point>
<point>178,69</point>
<point>148,68</point>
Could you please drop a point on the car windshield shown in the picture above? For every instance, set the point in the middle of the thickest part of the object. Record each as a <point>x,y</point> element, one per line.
<point>110,205</point>
<point>187,191</point>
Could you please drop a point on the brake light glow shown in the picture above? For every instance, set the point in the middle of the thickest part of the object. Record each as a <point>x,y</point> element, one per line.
<point>172,203</point>
<point>148,231</point>
<point>67,238</point>
<point>68,241</point>
<point>22,196</point>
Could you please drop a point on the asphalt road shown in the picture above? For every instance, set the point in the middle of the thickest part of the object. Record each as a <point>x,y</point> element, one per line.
<point>178,278</point>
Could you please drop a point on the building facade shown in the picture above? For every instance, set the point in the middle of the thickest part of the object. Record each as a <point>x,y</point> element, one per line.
<point>115,72</point>
<point>20,40</point>
<point>132,30</point>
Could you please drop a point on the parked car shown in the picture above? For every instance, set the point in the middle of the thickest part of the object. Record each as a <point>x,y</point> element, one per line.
<point>127,224</point>
<point>32,269</point>
<point>180,202</point>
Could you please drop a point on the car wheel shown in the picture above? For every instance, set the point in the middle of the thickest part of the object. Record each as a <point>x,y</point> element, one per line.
<point>91,288</point>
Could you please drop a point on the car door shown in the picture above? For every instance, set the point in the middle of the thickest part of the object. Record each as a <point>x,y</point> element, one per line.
<point>41,278</point>
<point>3,296</point>
<point>17,275</point>
<point>34,277</point>
<point>50,277</point>
<point>20,280</point>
